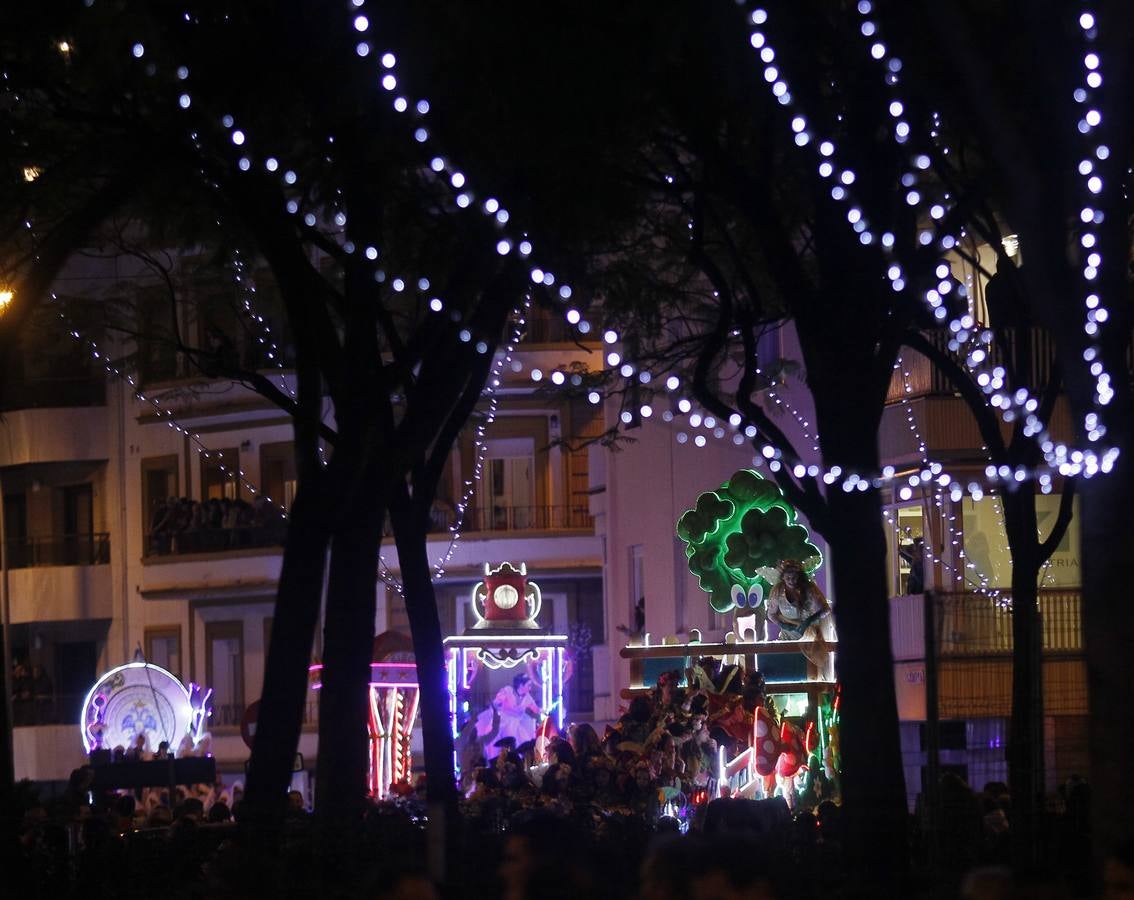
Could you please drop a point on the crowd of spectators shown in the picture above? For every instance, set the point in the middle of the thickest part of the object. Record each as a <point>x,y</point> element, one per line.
<point>181,525</point>
<point>33,694</point>
<point>662,758</point>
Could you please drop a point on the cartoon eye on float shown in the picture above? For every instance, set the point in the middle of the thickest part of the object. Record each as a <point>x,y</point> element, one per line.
<point>738,596</point>
<point>751,598</point>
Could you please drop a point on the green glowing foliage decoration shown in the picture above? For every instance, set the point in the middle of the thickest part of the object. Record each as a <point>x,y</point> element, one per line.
<point>737,535</point>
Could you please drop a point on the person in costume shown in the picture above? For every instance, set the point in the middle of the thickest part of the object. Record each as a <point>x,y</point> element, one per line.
<point>519,713</point>
<point>802,613</point>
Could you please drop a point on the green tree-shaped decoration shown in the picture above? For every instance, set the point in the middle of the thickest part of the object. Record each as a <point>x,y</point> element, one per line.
<point>736,536</point>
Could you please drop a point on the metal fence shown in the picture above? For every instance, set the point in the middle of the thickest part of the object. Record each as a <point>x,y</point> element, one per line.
<point>59,550</point>
<point>215,540</point>
<point>32,708</point>
<point>443,518</point>
<point>515,518</point>
<point>981,624</point>
<point>966,671</point>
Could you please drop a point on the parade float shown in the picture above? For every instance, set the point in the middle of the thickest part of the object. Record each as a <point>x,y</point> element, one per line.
<point>393,704</point>
<point>768,691</point>
<point>506,671</point>
<point>140,706</point>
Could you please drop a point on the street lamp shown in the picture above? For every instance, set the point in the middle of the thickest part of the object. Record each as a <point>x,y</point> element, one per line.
<point>6,296</point>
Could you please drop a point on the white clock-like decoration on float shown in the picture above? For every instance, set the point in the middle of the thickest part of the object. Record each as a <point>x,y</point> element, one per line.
<point>506,596</point>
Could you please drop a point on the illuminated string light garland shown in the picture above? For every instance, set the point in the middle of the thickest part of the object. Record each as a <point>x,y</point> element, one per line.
<point>163,414</point>
<point>1095,152</point>
<point>911,419</point>
<point>518,321</point>
<point>1059,457</point>
<point>1067,461</point>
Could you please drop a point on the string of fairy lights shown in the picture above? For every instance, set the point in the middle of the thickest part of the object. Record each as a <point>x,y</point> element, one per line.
<point>163,413</point>
<point>518,319</point>
<point>966,336</point>
<point>1067,461</point>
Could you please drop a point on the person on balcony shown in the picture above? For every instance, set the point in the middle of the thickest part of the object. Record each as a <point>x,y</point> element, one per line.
<point>44,691</point>
<point>914,555</point>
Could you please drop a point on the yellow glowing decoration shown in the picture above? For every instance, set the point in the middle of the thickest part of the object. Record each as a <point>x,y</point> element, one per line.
<point>31,173</point>
<point>6,296</point>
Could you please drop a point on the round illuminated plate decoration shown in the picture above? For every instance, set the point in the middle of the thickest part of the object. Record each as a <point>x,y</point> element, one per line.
<point>133,699</point>
<point>506,596</point>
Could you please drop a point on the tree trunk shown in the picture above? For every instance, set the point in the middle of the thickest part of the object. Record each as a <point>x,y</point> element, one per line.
<point>872,784</point>
<point>873,787</point>
<point>1107,548</point>
<point>410,532</point>
<point>344,704</point>
<point>1025,733</point>
<point>289,654</point>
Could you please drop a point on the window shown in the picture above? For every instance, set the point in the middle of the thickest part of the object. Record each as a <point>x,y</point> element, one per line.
<point>637,598</point>
<point>163,647</point>
<point>680,575</point>
<point>277,472</point>
<point>16,530</point>
<point>510,483</point>
<point>219,332</point>
<point>224,670</point>
<point>157,358</point>
<point>219,475</point>
<point>988,559</point>
<point>904,525</point>
<point>159,483</point>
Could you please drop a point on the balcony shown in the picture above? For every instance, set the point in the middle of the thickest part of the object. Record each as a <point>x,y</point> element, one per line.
<point>59,550</point>
<point>923,378</point>
<point>44,393</point>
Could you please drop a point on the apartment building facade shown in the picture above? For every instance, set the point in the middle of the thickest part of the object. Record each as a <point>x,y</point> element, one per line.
<point>98,566</point>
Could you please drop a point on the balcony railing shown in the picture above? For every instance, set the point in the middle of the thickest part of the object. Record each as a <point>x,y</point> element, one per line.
<point>924,378</point>
<point>79,390</point>
<point>32,707</point>
<point>59,550</point>
<point>442,519</point>
<point>514,518</point>
<point>231,715</point>
<point>546,329</point>
<point>215,540</point>
<point>979,625</point>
